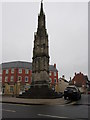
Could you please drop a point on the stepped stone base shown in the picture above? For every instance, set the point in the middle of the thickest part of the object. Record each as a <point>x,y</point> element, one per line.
<point>38,92</point>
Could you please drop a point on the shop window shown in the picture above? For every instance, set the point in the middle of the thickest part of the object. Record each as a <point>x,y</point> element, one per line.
<point>11,89</point>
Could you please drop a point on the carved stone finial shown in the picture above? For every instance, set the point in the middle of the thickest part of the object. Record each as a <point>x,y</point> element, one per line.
<point>41,1</point>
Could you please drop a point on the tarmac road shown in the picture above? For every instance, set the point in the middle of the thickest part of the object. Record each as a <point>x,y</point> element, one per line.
<point>44,111</point>
<point>74,110</point>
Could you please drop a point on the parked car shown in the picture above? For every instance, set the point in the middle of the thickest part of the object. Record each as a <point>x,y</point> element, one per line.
<point>58,95</point>
<point>21,92</point>
<point>88,91</point>
<point>72,93</point>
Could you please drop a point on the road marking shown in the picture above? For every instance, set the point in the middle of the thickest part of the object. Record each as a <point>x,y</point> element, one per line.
<point>8,110</point>
<point>51,116</point>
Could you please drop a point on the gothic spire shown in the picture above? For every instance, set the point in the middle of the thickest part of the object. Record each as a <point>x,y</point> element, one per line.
<point>41,19</point>
<point>41,9</point>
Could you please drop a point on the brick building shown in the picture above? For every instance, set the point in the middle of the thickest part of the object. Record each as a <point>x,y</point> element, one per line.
<point>81,81</point>
<point>17,76</point>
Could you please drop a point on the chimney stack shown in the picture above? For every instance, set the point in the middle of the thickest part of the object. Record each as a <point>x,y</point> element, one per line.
<point>54,65</point>
<point>63,76</point>
<point>75,73</point>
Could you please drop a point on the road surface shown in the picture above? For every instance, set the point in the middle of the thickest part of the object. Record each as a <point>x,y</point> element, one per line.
<point>74,110</point>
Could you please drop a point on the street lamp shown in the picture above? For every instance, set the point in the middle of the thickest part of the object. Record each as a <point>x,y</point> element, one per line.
<point>16,80</point>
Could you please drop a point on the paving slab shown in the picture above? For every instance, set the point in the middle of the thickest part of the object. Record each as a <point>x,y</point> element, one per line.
<point>9,99</point>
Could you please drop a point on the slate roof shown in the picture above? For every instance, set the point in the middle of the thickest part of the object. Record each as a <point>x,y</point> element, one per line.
<point>21,64</point>
<point>17,64</point>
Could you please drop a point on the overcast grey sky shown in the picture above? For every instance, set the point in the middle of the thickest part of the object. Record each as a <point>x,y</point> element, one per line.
<point>67,27</point>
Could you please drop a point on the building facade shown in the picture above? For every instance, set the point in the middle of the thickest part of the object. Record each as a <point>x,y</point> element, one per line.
<point>17,76</point>
<point>81,81</point>
<point>61,85</point>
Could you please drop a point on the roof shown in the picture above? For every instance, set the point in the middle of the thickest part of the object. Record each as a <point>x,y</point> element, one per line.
<point>78,85</point>
<point>63,80</point>
<point>22,64</point>
<point>52,68</point>
<point>17,64</point>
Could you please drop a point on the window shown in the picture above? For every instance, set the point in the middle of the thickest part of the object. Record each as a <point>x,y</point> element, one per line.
<point>50,73</point>
<point>54,73</point>
<point>19,78</point>
<point>6,71</point>
<point>6,79</point>
<point>12,78</point>
<point>74,82</point>
<point>11,89</point>
<point>20,71</point>
<point>26,71</point>
<point>50,80</point>
<point>55,80</point>
<point>12,70</point>
<point>26,79</point>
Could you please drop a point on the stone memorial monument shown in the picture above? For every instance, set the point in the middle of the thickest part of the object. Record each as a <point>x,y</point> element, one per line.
<point>39,87</point>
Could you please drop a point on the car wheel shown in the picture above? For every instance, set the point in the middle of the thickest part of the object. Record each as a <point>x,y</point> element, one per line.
<point>65,97</point>
<point>80,97</point>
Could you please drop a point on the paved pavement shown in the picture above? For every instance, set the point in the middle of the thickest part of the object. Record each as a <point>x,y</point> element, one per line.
<point>85,100</point>
<point>59,101</point>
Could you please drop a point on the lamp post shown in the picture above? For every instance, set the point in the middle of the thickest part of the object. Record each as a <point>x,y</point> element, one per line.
<point>16,80</point>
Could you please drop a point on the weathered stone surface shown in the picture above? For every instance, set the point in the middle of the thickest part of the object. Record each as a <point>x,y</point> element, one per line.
<point>40,64</point>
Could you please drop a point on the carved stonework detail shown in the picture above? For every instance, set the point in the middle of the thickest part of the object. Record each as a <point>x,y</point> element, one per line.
<point>40,63</point>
